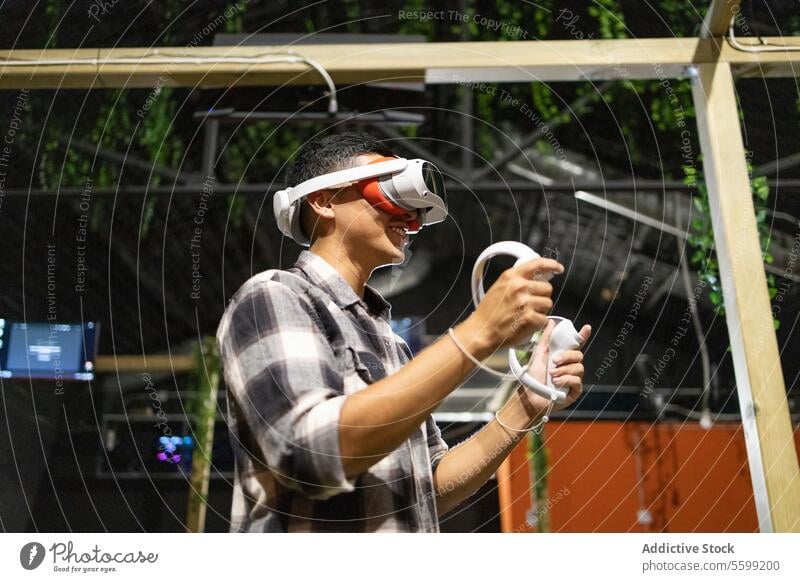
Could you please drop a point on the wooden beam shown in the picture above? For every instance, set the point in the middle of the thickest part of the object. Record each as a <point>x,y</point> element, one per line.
<point>487,61</point>
<point>455,62</point>
<point>159,363</point>
<point>759,377</point>
<point>718,18</point>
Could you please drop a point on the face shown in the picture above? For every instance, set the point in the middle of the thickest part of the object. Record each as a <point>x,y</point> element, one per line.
<point>374,236</point>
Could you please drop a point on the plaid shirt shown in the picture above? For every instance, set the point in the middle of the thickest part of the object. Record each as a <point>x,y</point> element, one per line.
<point>293,344</point>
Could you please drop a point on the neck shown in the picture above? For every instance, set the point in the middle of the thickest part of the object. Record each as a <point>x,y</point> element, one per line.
<point>341,259</point>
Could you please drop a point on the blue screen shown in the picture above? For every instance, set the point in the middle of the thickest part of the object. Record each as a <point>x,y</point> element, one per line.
<point>50,350</point>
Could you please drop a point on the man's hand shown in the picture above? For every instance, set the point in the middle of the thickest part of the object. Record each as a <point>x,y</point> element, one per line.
<point>481,455</point>
<point>568,373</point>
<point>514,307</point>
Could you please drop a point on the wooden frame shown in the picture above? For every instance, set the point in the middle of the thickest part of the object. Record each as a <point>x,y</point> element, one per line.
<point>560,60</point>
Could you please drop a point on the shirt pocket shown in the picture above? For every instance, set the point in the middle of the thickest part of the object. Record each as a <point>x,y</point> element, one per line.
<point>363,368</point>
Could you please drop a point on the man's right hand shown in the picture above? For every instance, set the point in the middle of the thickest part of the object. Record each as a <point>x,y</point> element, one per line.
<point>515,306</point>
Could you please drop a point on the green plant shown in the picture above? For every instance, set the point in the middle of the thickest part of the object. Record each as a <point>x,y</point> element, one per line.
<point>539,466</point>
<point>539,458</point>
<point>701,238</point>
<point>202,411</point>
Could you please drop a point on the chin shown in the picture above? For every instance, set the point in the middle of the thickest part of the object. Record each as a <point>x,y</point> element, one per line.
<point>391,254</point>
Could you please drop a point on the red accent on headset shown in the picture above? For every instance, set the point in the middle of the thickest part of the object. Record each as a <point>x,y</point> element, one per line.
<point>372,193</point>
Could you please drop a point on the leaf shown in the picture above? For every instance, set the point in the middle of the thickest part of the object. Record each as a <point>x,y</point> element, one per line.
<point>699,204</point>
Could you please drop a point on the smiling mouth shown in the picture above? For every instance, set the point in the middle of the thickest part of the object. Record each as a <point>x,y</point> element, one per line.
<point>399,234</point>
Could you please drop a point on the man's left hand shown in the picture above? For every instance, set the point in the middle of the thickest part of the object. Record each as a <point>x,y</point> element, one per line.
<point>567,374</point>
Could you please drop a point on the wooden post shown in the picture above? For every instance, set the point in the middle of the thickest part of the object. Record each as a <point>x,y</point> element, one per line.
<point>208,373</point>
<point>718,18</point>
<point>759,377</point>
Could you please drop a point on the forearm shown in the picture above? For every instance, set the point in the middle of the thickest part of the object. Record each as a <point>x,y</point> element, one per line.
<point>376,420</point>
<point>466,467</point>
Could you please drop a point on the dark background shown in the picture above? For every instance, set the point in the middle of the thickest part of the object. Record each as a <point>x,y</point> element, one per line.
<point>56,470</point>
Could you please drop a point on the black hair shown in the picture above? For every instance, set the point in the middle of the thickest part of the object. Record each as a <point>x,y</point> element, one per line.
<point>332,153</point>
<point>329,154</point>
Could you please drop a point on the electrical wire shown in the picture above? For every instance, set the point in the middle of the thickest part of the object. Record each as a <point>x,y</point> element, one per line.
<point>161,57</point>
<point>695,415</point>
<point>764,47</point>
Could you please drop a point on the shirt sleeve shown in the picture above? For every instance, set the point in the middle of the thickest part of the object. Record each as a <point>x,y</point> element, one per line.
<point>436,445</point>
<point>284,377</point>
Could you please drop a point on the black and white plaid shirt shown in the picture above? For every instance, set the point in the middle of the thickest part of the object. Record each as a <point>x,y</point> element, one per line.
<point>293,344</point>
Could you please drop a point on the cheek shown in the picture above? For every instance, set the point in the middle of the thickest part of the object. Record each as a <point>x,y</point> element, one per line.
<point>363,221</point>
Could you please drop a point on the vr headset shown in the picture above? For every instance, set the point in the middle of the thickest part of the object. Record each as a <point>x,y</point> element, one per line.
<point>394,185</point>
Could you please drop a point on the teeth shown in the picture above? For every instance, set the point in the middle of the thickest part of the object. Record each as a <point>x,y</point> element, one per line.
<point>398,230</point>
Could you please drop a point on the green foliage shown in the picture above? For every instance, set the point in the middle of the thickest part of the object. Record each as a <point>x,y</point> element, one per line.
<point>52,14</point>
<point>413,26</point>
<point>539,457</point>
<point>255,149</point>
<point>701,238</point>
<point>609,17</point>
<point>521,21</point>
<point>134,123</point>
<point>353,11</point>
<point>236,21</point>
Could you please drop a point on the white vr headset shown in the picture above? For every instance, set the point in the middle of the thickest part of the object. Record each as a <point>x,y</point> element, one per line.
<point>394,185</point>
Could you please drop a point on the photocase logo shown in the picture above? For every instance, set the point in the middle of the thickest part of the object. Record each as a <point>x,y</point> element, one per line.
<point>31,555</point>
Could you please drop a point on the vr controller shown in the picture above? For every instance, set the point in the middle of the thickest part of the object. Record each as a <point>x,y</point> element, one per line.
<point>563,337</point>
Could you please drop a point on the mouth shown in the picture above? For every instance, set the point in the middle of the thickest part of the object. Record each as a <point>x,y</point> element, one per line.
<point>398,234</point>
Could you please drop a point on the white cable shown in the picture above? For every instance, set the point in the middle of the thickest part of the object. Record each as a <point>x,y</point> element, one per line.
<point>537,428</point>
<point>156,59</point>
<point>480,364</point>
<point>764,47</point>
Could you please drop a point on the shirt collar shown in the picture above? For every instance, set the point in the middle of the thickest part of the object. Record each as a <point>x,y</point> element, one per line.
<point>320,272</point>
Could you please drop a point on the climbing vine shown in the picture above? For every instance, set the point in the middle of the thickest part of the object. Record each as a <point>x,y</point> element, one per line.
<point>701,237</point>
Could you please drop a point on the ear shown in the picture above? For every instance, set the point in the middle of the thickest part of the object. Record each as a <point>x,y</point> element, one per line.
<point>320,202</point>
<point>315,207</point>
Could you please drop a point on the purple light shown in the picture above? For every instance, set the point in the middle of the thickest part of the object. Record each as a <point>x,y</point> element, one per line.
<point>168,459</point>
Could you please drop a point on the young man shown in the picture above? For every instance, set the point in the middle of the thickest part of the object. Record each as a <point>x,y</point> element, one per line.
<point>330,418</point>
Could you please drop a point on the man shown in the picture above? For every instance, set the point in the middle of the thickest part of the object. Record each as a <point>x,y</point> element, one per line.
<point>330,418</point>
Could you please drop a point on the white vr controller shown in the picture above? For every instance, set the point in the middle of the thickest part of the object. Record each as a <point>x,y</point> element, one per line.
<point>563,337</point>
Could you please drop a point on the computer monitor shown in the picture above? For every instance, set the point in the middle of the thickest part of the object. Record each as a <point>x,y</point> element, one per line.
<point>58,351</point>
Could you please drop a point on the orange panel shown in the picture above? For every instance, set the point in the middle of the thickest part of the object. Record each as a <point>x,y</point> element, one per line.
<point>605,475</point>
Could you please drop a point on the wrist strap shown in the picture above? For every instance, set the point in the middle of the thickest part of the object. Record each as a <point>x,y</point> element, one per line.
<point>536,428</point>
